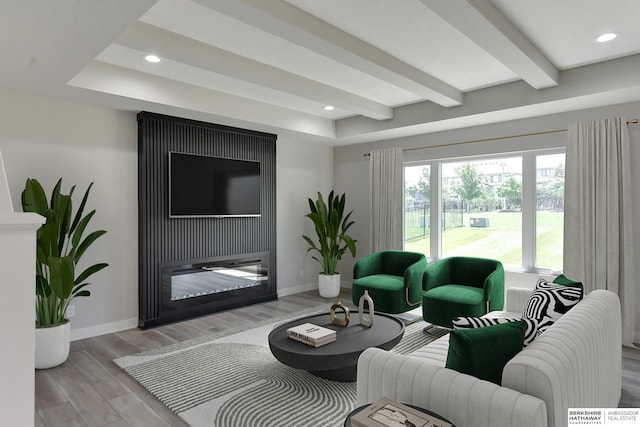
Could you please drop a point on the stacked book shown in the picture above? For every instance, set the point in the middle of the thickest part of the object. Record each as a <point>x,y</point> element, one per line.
<point>311,334</point>
<point>387,413</point>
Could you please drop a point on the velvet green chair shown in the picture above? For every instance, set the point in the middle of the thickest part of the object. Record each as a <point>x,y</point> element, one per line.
<point>461,286</point>
<point>393,279</point>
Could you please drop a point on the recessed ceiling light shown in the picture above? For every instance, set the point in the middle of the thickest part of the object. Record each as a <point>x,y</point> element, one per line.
<point>328,107</point>
<point>606,37</point>
<point>151,58</point>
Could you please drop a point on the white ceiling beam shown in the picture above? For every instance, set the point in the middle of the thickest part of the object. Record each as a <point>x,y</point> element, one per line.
<point>147,38</point>
<point>286,21</point>
<point>595,85</point>
<point>486,26</point>
<point>158,92</point>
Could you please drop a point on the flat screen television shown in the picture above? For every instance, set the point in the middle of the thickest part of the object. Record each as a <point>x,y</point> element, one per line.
<point>205,186</point>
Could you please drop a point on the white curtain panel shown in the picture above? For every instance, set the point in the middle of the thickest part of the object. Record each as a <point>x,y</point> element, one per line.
<point>598,233</point>
<point>386,199</point>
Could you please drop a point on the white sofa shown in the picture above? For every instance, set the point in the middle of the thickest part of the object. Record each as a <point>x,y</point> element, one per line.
<point>576,363</point>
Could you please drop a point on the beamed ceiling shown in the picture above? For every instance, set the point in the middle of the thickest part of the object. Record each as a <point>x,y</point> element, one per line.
<point>391,68</point>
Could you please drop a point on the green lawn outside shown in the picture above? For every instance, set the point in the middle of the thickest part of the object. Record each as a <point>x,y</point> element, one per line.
<point>502,240</point>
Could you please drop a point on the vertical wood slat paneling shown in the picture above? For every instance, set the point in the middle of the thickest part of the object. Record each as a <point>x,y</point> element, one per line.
<point>163,239</point>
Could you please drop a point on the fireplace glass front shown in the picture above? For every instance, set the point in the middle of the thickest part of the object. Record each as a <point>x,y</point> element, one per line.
<point>211,278</point>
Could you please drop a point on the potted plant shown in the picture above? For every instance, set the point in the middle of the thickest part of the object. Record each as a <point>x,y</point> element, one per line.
<point>331,226</point>
<point>60,246</point>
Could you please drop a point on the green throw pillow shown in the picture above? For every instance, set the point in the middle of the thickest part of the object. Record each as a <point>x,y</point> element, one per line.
<point>565,281</point>
<point>483,352</point>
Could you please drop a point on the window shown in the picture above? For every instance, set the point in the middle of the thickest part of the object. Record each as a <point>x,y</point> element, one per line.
<point>482,217</point>
<point>508,208</point>
<point>417,209</point>
<point>550,210</point>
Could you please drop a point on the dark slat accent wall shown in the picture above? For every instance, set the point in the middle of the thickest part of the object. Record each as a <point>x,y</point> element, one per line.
<point>165,240</point>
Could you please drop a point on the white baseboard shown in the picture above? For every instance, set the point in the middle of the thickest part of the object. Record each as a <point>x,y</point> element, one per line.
<point>297,289</point>
<point>106,328</point>
<point>305,288</point>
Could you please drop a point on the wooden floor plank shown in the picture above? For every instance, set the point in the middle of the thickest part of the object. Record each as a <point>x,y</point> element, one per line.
<point>97,375</point>
<point>94,410</point>
<point>135,412</point>
<point>63,415</point>
<point>48,393</point>
<point>37,422</point>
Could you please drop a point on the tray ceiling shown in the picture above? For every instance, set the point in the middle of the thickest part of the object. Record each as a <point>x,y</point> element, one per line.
<point>390,68</point>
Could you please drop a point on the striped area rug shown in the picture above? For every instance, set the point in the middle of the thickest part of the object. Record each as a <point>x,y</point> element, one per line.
<point>231,379</point>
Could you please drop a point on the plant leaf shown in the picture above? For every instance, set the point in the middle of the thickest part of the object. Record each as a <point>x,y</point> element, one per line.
<point>76,220</point>
<point>62,273</point>
<point>86,243</point>
<point>34,198</point>
<point>89,272</point>
<point>80,227</point>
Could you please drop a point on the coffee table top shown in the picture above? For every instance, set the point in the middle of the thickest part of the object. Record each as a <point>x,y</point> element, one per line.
<point>350,341</point>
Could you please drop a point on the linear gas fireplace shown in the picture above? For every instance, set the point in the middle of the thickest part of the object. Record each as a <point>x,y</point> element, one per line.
<point>214,276</point>
<point>192,288</point>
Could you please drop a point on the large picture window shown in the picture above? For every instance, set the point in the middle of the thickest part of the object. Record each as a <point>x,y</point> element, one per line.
<point>508,208</point>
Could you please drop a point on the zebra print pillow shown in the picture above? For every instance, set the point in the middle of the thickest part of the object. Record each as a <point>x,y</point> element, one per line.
<point>530,332</point>
<point>549,302</point>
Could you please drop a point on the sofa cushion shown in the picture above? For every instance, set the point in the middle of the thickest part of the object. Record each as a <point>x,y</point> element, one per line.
<point>530,333</point>
<point>565,281</point>
<point>483,352</point>
<point>549,302</point>
<point>385,282</point>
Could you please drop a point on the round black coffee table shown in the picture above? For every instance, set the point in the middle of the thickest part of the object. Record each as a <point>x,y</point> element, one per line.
<point>338,360</point>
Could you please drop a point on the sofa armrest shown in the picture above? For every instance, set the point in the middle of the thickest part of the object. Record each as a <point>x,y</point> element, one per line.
<point>576,363</point>
<point>464,400</point>
<point>517,299</point>
<point>494,288</point>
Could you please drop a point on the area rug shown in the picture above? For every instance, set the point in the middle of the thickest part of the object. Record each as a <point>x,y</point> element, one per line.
<point>232,379</point>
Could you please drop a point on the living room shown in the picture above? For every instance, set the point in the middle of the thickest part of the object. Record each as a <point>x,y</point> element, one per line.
<point>48,133</point>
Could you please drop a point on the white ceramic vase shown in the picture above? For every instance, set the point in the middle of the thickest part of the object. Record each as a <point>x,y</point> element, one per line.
<point>329,285</point>
<point>365,300</point>
<point>52,345</point>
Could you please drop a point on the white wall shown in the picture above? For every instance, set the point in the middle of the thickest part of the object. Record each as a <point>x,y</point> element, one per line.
<point>46,139</point>
<point>303,169</point>
<point>352,168</point>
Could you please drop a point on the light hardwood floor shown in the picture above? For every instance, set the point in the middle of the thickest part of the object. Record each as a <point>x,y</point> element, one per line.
<point>90,390</point>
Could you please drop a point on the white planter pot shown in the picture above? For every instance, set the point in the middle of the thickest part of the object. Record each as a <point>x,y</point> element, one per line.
<point>329,285</point>
<point>52,345</point>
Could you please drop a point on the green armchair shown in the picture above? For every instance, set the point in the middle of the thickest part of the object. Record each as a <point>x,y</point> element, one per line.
<point>461,286</point>
<point>393,279</point>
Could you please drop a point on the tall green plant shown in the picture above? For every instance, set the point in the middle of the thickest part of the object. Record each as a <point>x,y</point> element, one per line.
<point>60,246</point>
<point>331,228</point>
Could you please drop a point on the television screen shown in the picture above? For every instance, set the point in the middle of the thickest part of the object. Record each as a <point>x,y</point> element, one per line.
<point>213,186</point>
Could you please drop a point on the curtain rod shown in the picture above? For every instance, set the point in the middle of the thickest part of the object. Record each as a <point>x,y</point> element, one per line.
<point>497,138</point>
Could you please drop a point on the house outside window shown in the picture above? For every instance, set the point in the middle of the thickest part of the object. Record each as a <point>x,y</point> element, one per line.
<point>507,207</point>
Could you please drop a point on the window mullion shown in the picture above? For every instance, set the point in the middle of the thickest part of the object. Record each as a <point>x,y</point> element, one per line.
<point>435,220</point>
<point>528,211</point>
